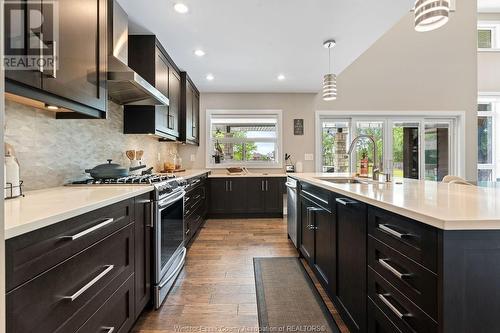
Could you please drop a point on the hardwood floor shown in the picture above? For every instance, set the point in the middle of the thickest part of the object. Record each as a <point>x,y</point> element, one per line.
<point>215,292</point>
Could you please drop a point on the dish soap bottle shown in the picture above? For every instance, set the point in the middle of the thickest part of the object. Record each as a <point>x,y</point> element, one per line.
<point>363,172</point>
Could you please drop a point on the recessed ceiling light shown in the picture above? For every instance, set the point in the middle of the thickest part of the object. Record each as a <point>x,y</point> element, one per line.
<point>281,77</point>
<point>210,77</point>
<point>199,52</point>
<point>51,107</point>
<point>181,8</point>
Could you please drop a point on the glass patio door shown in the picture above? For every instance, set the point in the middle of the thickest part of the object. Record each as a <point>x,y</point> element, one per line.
<point>412,147</point>
<point>405,149</point>
<point>437,149</point>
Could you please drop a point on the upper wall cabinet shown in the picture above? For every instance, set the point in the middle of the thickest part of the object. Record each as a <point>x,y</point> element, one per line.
<point>67,54</point>
<point>190,111</point>
<point>150,60</point>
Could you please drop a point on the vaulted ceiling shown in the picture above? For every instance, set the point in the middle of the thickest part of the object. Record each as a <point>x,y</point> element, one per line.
<point>248,43</point>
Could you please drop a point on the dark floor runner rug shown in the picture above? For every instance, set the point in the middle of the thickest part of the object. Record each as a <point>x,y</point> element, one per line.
<point>287,300</point>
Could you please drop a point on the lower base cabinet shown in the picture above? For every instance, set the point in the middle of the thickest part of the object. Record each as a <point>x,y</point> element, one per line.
<point>116,315</point>
<point>246,197</point>
<point>388,273</point>
<point>90,273</point>
<point>350,287</point>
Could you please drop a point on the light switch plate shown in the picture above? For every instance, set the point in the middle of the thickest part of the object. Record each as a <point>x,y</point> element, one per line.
<point>308,157</point>
<point>193,158</point>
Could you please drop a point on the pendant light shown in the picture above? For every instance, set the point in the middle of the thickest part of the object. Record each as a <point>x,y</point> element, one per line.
<point>330,79</point>
<point>431,14</point>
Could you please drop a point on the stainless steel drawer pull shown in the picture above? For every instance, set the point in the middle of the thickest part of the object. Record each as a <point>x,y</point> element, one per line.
<point>90,284</point>
<point>391,307</point>
<point>315,197</point>
<point>391,269</point>
<point>90,230</point>
<point>391,231</point>
<point>109,329</point>
<point>346,201</point>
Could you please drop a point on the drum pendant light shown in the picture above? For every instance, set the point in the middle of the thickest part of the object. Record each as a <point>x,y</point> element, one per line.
<point>330,79</point>
<point>431,14</point>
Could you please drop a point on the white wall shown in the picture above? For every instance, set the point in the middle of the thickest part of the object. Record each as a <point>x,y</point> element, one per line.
<point>403,70</point>
<point>488,62</point>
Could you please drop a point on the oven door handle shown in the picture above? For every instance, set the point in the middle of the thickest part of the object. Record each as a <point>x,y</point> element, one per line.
<point>176,270</point>
<point>168,201</point>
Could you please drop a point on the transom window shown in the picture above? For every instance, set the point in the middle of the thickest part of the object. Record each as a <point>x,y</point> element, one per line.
<point>244,138</point>
<point>488,35</point>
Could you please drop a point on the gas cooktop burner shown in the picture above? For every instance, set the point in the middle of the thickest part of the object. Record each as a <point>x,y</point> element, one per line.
<point>144,179</point>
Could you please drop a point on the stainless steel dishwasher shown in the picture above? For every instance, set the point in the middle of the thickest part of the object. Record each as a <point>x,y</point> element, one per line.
<point>291,185</point>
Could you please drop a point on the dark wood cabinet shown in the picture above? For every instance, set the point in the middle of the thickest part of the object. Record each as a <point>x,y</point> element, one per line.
<point>236,195</point>
<point>82,274</point>
<point>74,77</point>
<point>85,281</point>
<point>228,196</point>
<point>116,314</point>
<point>195,206</point>
<point>143,250</point>
<point>317,234</point>
<point>150,60</point>
<point>264,195</point>
<point>350,290</point>
<point>246,197</point>
<point>306,246</point>
<point>190,111</point>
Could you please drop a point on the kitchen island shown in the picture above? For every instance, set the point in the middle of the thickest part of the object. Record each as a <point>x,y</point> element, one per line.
<point>405,256</point>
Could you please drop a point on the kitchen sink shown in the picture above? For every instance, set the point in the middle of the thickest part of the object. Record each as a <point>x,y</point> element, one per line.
<point>347,181</point>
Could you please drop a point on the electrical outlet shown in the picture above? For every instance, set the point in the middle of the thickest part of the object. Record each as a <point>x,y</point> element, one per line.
<point>308,157</point>
<point>193,158</point>
<point>159,157</point>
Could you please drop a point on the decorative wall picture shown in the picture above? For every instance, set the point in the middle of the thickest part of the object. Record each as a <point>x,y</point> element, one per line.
<point>298,127</point>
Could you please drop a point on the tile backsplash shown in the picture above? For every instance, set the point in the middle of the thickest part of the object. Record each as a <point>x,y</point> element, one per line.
<point>52,152</point>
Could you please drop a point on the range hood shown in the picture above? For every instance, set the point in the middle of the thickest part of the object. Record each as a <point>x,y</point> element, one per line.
<point>125,86</point>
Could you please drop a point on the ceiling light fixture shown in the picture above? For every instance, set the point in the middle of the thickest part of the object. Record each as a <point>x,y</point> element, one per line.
<point>210,77</point>
<point>330,79</point>
<point>281,77</point>
<point>51,107</point>
<point>431,14</point>
<point>181,8</point>
<point>199,52</point>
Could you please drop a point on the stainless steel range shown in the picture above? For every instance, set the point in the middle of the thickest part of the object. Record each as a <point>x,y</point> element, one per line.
<point>168,226</point>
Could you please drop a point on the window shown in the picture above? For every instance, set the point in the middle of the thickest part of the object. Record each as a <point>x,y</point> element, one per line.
<point>244,138</point>
<point>488,35</point>
<point>488,168</point>
<point>414,146</point>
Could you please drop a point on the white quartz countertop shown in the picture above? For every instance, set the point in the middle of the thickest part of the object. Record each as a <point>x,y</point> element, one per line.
<point>191,173</point>
<point>247,175</point>
<point>42,208</point>
<point>445,206</point>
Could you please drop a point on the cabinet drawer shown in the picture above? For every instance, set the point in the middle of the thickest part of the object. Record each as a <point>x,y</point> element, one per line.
<point>413,239</point>
<point>194,199</point>
<point>316,194</point>
<point>414,281</point>
<point>378,322</point>
<point>68,294</point>
<point>401,311</point>
<point>33,253</point>
<point>193,223</point>
<point>116,315</point>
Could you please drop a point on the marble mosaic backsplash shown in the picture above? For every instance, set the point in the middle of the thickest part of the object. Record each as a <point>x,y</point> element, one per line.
<point>52,152</point>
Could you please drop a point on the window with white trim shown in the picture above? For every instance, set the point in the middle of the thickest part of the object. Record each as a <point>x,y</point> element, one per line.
<point>488,35</point>
<point>487,128</point>
<point>244,138</point>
